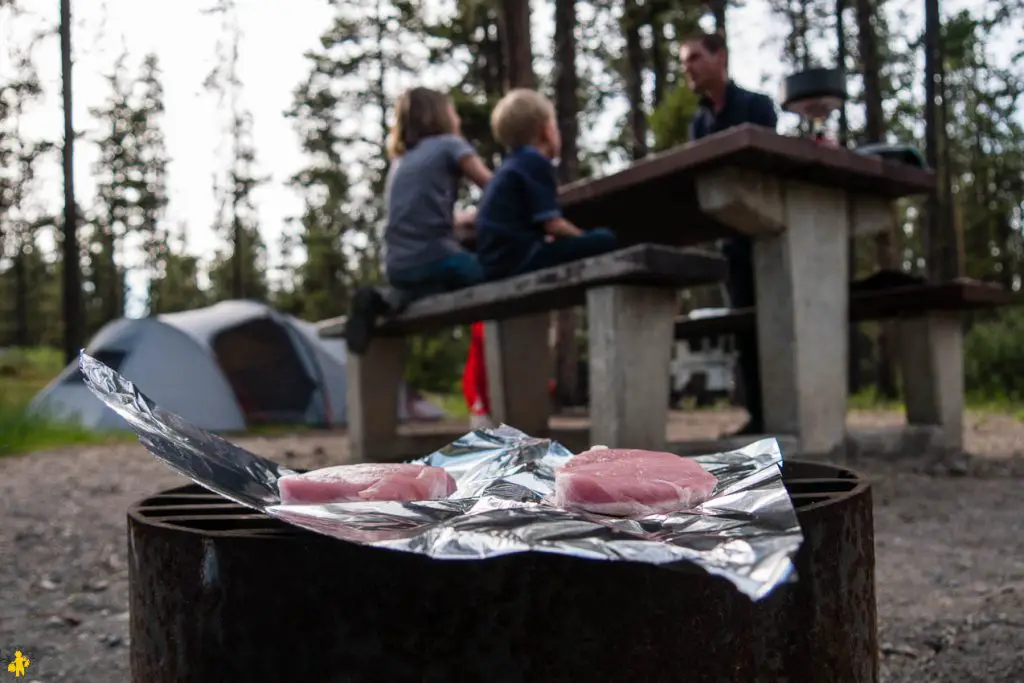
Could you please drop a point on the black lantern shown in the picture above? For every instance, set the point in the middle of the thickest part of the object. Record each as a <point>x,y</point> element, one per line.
<point>814,94</point>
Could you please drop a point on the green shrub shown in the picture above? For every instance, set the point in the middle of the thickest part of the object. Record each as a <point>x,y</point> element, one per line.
<point>994,358</point>
<point>670,122</point>
<point>434,363</point>
<point>22,433</point>
<point>23,372</point>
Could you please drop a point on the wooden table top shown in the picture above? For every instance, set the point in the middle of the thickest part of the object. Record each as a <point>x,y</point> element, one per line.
<point>656,199</point>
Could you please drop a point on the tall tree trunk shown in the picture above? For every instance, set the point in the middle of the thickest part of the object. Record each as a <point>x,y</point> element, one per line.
<point>659,56</point>
<point>107,289</point>
<point>854,345</point>
<point>382,97</point>
<point>21,331</point>
<point>874,131</point>
<point>383,63</point>
<point>958,261</point>
<point>932,60</point>
<point>514,22</point>
<point>1005,234</point>
<point>635,62</point>
<point>951,261</point>
<point>238,288</point>
<point>110,294</point>
<point>867,39</point>
<point>981,239</point>
<point>718,12</point>
<point>566,88</point>
<point>567,106</point>
<point>493,52</point>
<point>841,54</point>
<point>72,273</point>
<point>238,238</point>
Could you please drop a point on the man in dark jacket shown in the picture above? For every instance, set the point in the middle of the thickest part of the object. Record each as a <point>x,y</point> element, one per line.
<point>723,104</point>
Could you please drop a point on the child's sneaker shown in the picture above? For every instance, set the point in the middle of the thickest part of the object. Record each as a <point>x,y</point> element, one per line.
<point>367,305</point>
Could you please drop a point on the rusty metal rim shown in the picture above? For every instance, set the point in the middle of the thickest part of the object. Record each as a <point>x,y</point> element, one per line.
<point>856,491</point>
<point>858,484</point>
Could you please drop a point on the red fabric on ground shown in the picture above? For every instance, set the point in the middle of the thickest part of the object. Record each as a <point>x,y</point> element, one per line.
<point>474,377</point>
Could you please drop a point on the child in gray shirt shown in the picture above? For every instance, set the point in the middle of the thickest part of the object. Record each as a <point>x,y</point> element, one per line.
<point>421,254</point>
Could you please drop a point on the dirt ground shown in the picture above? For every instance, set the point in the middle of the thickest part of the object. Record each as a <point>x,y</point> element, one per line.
<point>950,552</point>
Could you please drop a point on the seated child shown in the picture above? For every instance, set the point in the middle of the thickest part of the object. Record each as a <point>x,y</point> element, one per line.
<point>421,253</point>
<point>520,227</point>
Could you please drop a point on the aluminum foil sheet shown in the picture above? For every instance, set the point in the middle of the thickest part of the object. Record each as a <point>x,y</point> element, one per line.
<point>747,532</point>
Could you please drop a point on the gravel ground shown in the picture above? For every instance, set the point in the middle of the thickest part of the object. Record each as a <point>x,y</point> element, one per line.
<point>950,553</point>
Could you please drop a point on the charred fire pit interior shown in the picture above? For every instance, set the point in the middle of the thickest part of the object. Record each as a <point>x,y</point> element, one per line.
<point>222,593</point>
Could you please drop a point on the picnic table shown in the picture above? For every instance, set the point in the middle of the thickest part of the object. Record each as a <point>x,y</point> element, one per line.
<point>800,202</point>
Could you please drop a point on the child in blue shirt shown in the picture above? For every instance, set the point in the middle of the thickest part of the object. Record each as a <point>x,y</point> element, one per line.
<point>520,227</point>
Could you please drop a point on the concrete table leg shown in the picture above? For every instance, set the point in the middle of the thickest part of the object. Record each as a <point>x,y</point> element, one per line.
<point>631,336</point>
<point>933,374</point>
<point>373,387</point>
<point>517,354</point>
<point>801,273</point>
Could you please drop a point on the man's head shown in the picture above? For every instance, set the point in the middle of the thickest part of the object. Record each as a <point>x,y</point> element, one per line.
<point>705,61</point>
<point>525,117</point>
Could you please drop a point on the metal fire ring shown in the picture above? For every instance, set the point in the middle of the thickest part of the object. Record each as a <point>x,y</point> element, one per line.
<point>219,592</point>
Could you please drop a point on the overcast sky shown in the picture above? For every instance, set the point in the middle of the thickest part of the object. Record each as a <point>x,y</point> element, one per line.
<point>276,34</point>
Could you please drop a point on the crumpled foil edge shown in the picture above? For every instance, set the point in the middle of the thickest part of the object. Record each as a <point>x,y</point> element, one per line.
<point>747,533</point>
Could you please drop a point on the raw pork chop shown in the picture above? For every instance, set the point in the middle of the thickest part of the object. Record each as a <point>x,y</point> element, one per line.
<point>627,482</point>
<point>366,482</point>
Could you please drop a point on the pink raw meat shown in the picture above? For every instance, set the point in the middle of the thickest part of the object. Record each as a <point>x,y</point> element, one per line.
<point>627,482</point>
<point>366,482</point>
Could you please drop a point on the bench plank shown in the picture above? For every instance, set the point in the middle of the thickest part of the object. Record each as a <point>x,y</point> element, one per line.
<point>551,289</point>
<point>896,302</point>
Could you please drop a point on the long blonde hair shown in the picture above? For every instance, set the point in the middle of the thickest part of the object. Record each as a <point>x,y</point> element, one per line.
<point>419,113</point>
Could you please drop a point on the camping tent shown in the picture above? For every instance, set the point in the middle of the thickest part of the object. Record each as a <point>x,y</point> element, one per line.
<point>221,368</point>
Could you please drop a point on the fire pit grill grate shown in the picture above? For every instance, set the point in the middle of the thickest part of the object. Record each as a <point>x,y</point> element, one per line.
<point>194,508</point>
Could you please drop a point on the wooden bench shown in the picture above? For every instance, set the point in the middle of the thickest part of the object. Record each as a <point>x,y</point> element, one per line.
<point>631,303</point>
<point>930,336</point>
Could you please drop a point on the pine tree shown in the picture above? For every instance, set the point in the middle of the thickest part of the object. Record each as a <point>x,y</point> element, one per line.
<point>131,186</point>
<point>19,217</point>
<point>323,283</point>
<point>372,42</point>
<point>369,45</point>
<point>986,154</point>
<point>661,108</point>
<point>174,285</point>
<point>16,94</point>
<point>149,180</point>
<point>105,272</point>
<point>72,282</point>
<point>238,272</point>
<point>633,72</point>
<point>470,41</point>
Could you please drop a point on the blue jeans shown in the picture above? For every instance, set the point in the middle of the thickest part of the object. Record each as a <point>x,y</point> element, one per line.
<point>444,275</point>
<point>568,249</point>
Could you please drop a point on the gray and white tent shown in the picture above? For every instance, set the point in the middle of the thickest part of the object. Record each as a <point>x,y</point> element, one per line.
<point>224,367</point>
